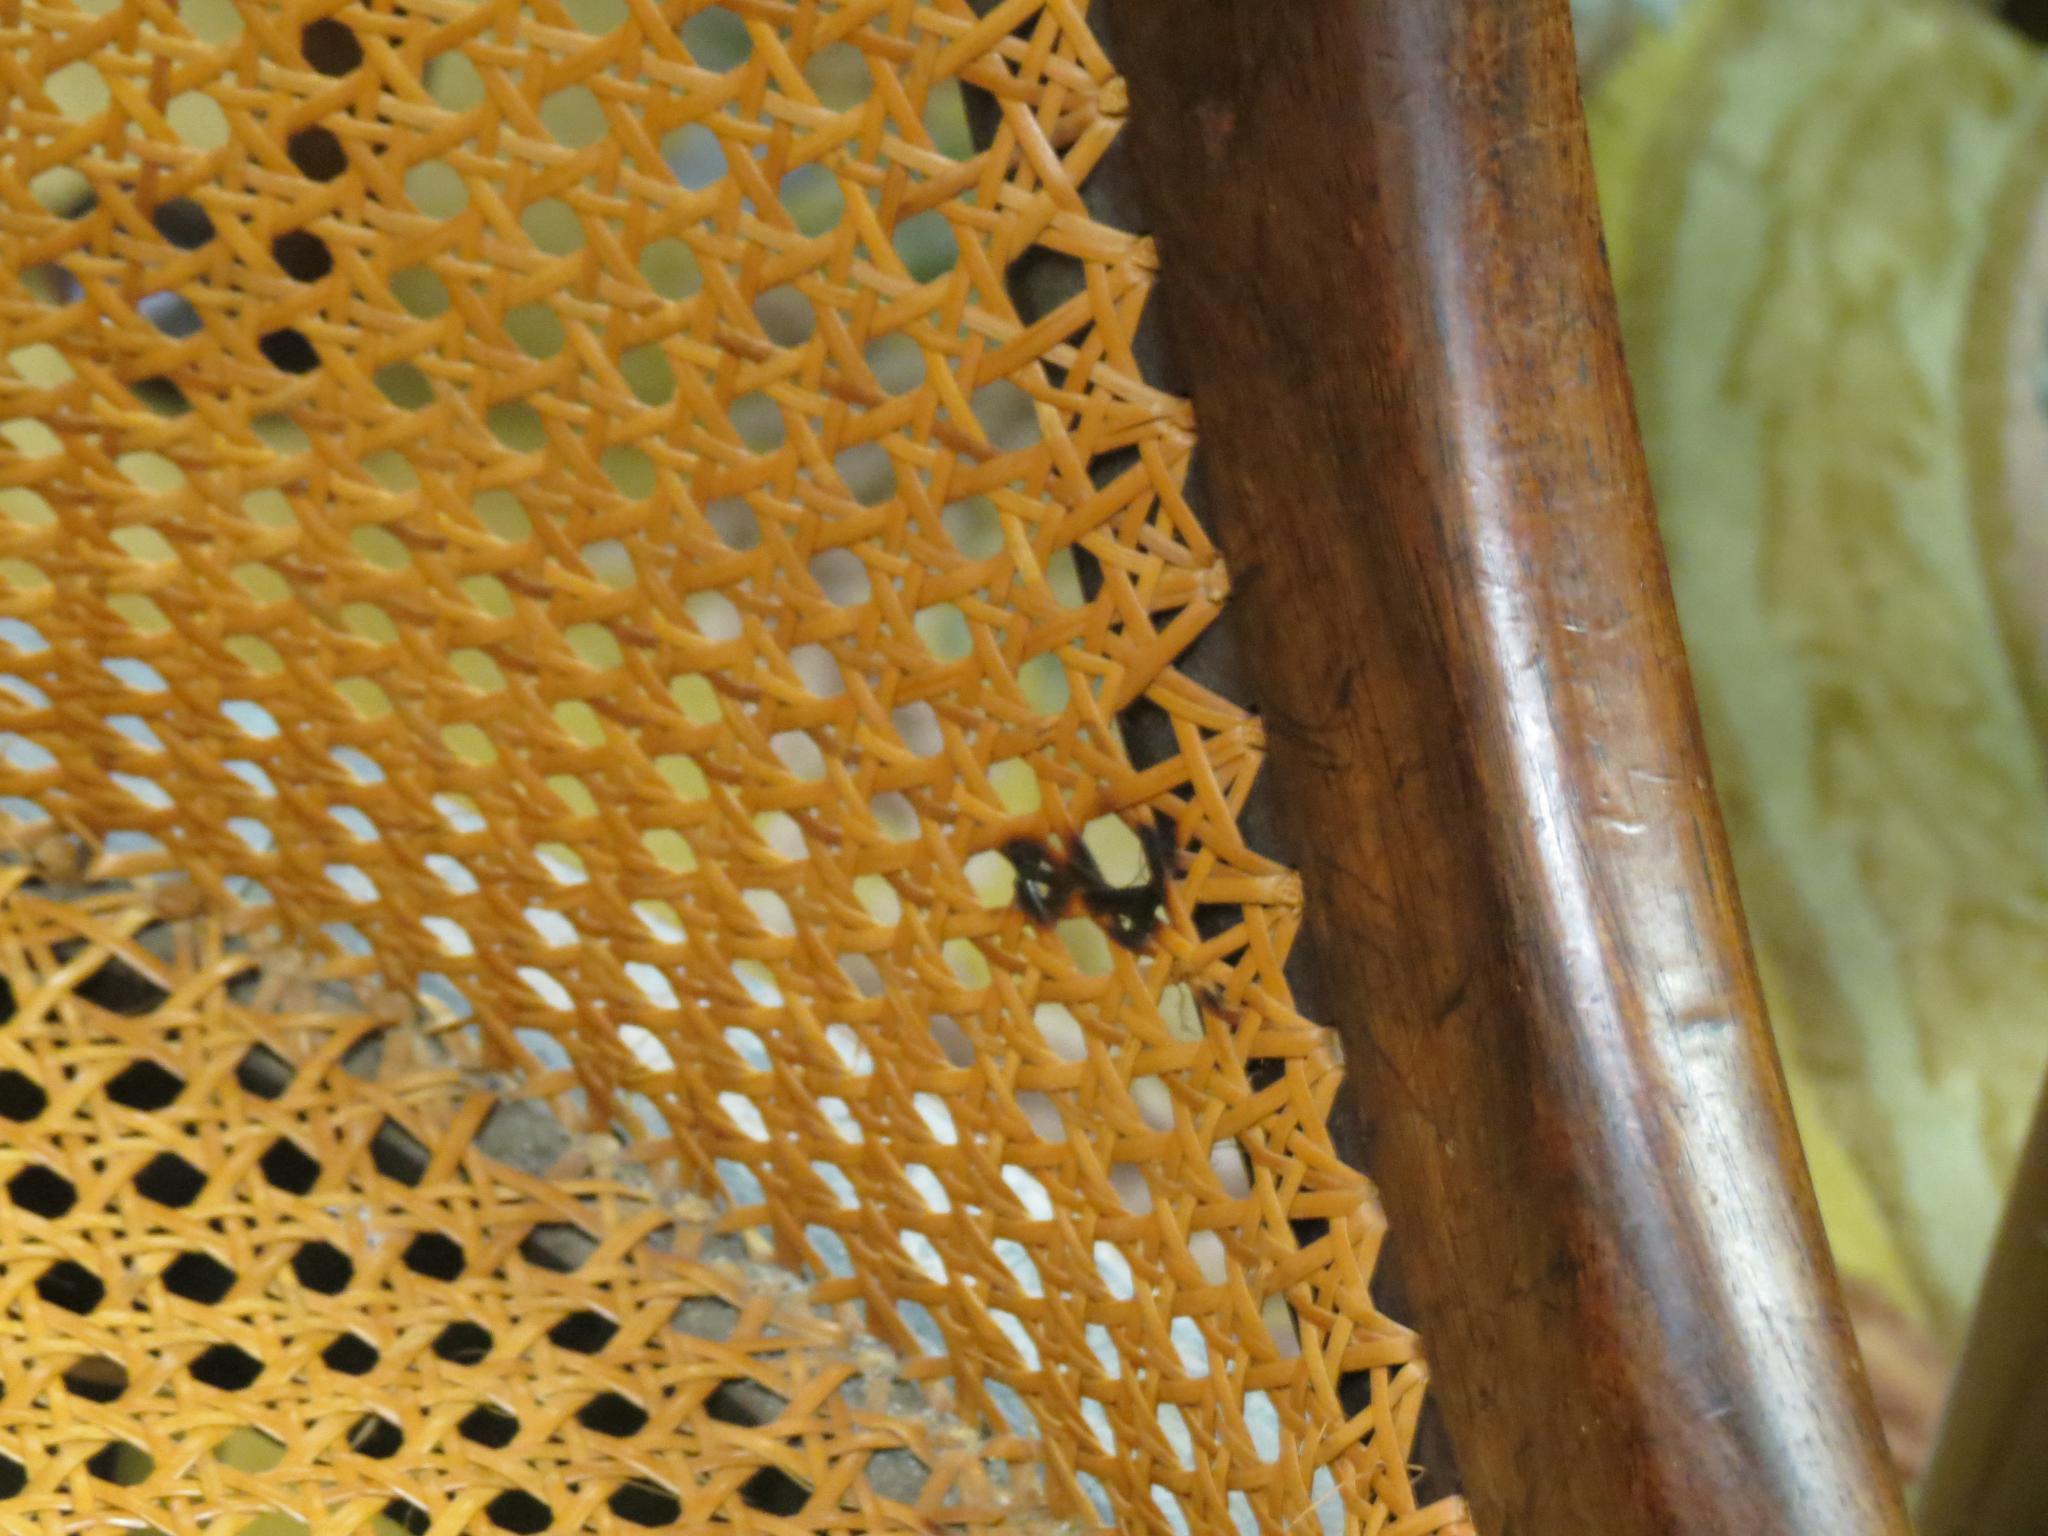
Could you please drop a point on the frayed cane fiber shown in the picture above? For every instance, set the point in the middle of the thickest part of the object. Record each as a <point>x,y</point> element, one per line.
<point>549,516</point>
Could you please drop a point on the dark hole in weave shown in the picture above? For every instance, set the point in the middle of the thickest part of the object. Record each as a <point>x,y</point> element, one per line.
<point>1309,1230</point>
<point>774,1492</point>
<point>330,47</point>
<point>1262,1072</point>
<point>119,988</point>
<point>408,1517</point>
<point>610,1413</point>
<point>558,1246</point>
<point>520,1512</point>
<point>463,1343</point>
<point>435,1255</point>
<point>51,284</point>
<point>13,1476</point>
<point>984,112</point>
<point>729,1404</point>
<point>1040,280</point>
<point>121,1463</point>
<point>227,1367</point>
<point>645,1503</point>
<point>398,1154</point>
<point>488,1425</point>
<point>71,1286</point>
<point>161,396</point>
<point>1087,569</point>
<point>1157,362</point>
<point>7,1005</point>
<point>198,1277</point>
<point>323,1267</point>
<point>289,1167</point>
<point>302,254</point>
<point>317,153</point>
<point>351,1354</point>
<point>375,1436</point>
<point>584,1332</point>
<point>1147,732</point>
<point>1354,1392</point>
<point>43,1191</point>
<point>1214,919</point>
<point>21,1097</point>
<point>145,1085</point>
<point>263,1072</point>
<point>170,1180</point>
<point>183,222</point>
<point>288,350</point>
<point>96,1378</point>
<point>170,313</point>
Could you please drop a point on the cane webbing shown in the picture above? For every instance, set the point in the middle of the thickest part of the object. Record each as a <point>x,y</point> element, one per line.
<point>252,1289</point>
<point>555,501</point>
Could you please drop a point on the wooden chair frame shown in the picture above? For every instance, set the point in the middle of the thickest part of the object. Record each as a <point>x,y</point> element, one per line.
<point>1989,1472</point>
<point>1384,271</point>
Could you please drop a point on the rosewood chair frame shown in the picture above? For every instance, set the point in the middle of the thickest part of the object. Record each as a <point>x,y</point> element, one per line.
<point>1989,1472</point>
<point>1383,268</point>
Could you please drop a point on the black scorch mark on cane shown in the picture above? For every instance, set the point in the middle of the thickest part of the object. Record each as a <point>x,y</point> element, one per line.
<point>1053,883</point>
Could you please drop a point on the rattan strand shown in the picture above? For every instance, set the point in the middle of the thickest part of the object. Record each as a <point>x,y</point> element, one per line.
<point>263,1277</point>
<point>555,502</point>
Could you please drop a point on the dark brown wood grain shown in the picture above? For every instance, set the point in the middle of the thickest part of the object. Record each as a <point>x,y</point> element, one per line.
<point>1989,1472</point>
<point>1381,264</point>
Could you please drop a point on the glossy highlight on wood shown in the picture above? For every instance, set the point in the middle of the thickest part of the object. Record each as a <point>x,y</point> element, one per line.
<point>1382,268</point>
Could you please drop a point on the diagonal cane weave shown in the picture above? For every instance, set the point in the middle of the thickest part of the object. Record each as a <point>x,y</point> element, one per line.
<point>553,510</point>
<point>264,1275</point>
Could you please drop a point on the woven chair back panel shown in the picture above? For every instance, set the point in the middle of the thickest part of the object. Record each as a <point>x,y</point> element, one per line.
<point>555,501</point>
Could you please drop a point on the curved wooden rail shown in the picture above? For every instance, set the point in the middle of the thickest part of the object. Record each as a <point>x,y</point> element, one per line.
<point>1989,1472</point>
<point>1383,273</point>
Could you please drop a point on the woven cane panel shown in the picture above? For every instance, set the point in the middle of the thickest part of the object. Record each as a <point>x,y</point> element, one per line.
<point>556,503</point>
<point>251,1290</point>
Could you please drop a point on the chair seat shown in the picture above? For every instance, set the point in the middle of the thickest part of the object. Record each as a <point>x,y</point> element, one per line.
<point>277,1264</point>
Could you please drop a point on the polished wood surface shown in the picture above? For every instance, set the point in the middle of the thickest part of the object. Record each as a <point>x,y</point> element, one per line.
<point>1382,271</point>
<point>1989,1473</point>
